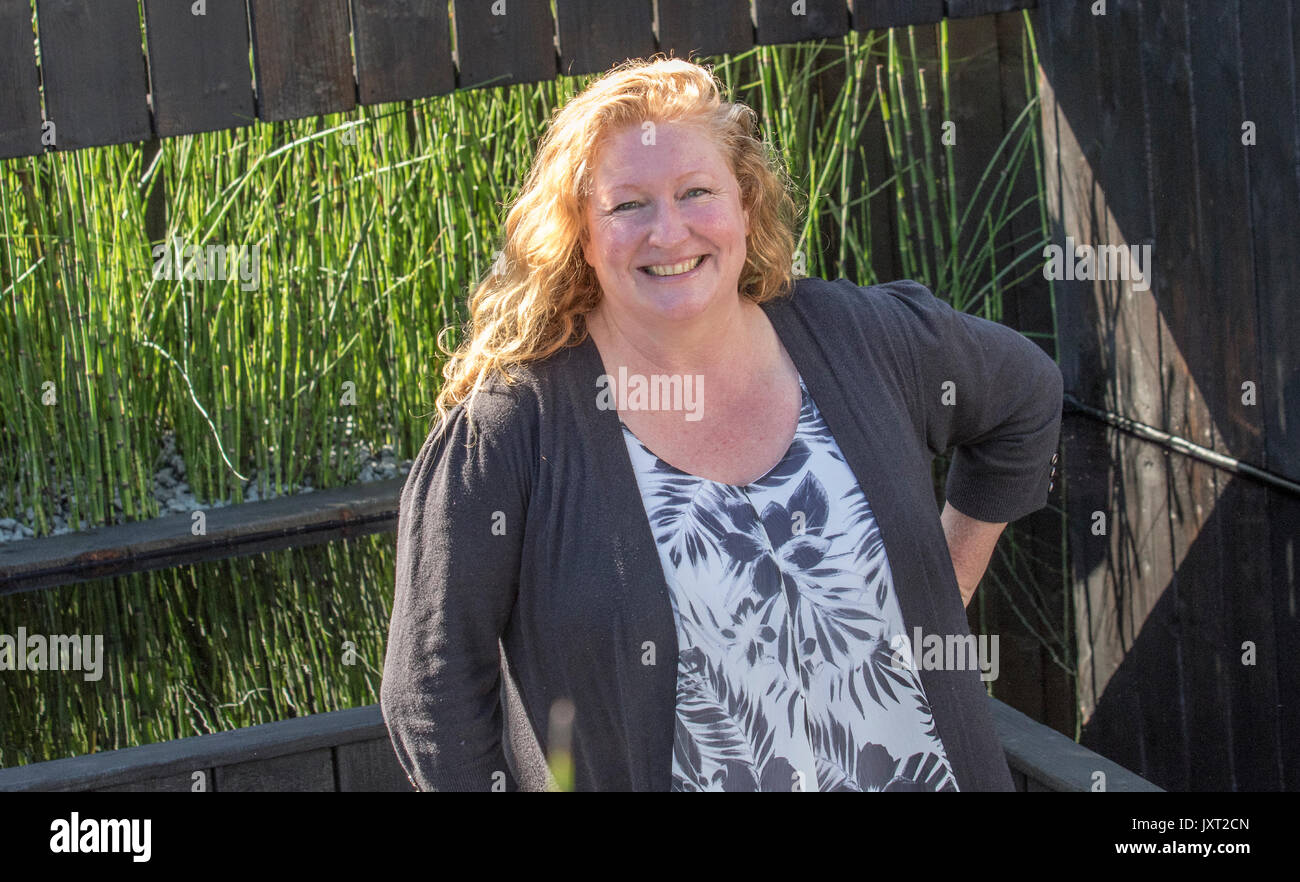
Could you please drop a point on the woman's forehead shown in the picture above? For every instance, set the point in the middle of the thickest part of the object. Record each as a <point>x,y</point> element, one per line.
<point>651,132</point>
<point>633,154</point>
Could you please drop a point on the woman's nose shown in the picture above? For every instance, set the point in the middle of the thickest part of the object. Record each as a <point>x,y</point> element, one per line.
<point>668,225</point>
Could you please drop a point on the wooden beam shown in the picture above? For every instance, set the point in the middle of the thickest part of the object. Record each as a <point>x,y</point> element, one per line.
<point>403,49</point>
<point>501,45</point>
<point>595,35</point>
<point>690,29</point>
<point>308,771</point>
<point>167,759</point>
<point>969,8</point>
<point>1270,102</point>
<point>370,767</point>
<point>303,58</point>
<point>1050,761</point>
<point>181,782</point>
<point>871,15</point>
<point>198,66</point>
<point>780,21</point>
<point>253,527</point>
<point>92,66</point>
<point>1041,759</point>
<point>20,100</point>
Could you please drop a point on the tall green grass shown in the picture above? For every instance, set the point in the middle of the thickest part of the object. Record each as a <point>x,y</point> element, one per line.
<point>202,648</point>
<point>369,231</point>
<point>371,228</point>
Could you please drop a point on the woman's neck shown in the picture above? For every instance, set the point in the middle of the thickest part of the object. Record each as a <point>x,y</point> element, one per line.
<point>738,338</point>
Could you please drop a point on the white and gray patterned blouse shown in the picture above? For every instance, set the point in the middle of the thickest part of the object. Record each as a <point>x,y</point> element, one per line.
<point>785,612</point>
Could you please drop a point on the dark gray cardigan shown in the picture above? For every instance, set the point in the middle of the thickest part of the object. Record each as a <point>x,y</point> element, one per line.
<point>535,535</point>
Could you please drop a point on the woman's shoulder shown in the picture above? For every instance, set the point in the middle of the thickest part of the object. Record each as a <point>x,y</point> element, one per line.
<point>842,299</point>
<point>514,400</point>
<point>889,315</point>
<point>486,439</point>
<point>503,407</point>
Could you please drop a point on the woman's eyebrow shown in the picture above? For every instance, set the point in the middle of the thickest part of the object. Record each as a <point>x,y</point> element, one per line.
<point>636,186</point>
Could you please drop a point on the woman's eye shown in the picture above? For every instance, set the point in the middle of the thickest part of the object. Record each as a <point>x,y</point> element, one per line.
<point>624,205</point>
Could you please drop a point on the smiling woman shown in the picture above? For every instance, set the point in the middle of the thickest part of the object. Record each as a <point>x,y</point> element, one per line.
<point>714,599</point>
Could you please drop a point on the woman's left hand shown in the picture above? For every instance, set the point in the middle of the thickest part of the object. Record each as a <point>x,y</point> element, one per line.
<point>971,544</point>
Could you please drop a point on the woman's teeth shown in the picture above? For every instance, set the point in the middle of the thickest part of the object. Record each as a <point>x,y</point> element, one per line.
<point>675,269</point>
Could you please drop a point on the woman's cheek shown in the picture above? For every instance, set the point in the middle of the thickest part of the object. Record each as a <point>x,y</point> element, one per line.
<point>623,236</point>
<point>722,224</point>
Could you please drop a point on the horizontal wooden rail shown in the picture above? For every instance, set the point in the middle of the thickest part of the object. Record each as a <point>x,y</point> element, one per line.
<point>248,528</point>
<point>94,86</point>
<point>297,754</point>
<point>350,750</point>
<point>1042,759</point>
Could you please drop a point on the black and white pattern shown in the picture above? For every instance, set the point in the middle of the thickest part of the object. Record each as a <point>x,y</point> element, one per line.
<point>785,613</point>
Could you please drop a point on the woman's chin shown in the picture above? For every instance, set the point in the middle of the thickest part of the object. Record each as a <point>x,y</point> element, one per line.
<point>679,306</point>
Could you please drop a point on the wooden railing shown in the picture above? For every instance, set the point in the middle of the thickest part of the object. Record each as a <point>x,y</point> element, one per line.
<point>349,750</point>
<point>174,540</point>
<point>93,79</point>
<point>343,750</point>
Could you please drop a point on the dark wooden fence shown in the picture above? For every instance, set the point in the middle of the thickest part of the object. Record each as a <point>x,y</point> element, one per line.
<point>349,750</point>
<point>100,80</point>
<point>1174,125</point>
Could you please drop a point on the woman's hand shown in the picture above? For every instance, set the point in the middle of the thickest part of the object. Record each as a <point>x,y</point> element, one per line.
<point>971,544</point>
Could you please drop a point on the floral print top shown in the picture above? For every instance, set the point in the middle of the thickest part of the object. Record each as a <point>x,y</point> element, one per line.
<point>789,675</point>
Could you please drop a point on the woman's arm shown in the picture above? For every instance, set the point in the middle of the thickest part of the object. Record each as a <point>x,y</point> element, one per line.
<point>989,394</point>
<point>970,543</point>
<point>459,540</point>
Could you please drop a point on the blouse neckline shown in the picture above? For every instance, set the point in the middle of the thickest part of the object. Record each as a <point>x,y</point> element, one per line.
<point>799,430</point>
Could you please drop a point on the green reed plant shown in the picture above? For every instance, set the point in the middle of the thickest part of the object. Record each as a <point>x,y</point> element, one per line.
<point>204,648</point>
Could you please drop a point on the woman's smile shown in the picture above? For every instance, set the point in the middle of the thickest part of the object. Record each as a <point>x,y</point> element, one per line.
<point>674,272</point>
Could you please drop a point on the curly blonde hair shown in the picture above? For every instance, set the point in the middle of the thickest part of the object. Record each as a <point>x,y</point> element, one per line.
<point>532,303</point>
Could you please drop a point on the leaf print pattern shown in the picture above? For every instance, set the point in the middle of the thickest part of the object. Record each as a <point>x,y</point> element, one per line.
<point>785,609</point>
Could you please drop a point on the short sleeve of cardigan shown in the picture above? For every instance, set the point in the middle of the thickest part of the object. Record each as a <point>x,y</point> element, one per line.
<point>459,540</point>
<point>989,394</point>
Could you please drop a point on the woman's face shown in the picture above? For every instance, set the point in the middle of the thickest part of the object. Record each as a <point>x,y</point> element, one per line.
<point>655,209</point>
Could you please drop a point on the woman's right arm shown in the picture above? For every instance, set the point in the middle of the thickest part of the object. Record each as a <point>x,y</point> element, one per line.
<point>459,532</point>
